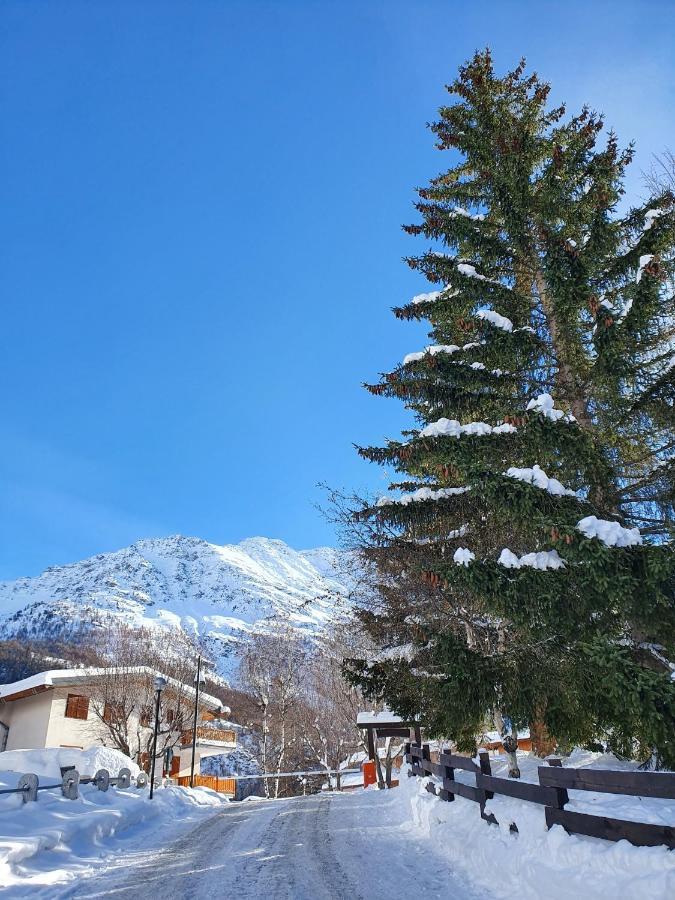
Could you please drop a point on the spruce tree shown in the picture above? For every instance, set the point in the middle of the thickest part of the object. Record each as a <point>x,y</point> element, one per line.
<point>525,556</point>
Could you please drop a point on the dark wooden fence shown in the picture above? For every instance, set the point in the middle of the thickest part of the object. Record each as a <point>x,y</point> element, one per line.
<point>551,793</point>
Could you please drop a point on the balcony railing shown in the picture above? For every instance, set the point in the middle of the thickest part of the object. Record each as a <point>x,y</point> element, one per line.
<point>216,735</point>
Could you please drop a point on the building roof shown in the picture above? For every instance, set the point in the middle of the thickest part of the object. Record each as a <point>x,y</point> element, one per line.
<point>43,681</point>
<point>385,717</point>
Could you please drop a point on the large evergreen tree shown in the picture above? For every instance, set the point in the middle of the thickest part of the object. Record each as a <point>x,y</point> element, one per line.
<point>525,557</point>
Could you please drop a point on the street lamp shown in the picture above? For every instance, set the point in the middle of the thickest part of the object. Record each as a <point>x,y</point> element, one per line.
<point>159,685</point>
<point>198,681</point>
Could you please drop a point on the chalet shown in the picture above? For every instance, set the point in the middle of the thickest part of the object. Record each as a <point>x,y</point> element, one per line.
<point>61,708</point>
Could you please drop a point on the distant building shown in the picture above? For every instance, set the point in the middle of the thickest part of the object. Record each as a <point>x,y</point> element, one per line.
<point>61,708</point>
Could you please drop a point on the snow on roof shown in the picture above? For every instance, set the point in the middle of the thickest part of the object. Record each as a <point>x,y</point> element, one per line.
<point>385,717</point>
<point>56,677</point>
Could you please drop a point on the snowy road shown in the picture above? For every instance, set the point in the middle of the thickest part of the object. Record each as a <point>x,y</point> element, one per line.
<point>325,847</point>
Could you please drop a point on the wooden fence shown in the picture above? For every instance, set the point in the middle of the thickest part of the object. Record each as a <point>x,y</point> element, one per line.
<point>551,793</point>
<point>215,782</point>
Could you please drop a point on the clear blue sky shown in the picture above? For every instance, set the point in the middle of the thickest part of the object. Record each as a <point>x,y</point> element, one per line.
<point>200,210</point>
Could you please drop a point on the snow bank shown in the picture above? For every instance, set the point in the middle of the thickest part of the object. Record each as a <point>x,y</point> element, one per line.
<point>47,763</point>
<point>55,840</point>
<point>537,863</point>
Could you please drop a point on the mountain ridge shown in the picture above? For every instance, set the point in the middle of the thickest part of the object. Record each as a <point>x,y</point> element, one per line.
<point>220,592</point>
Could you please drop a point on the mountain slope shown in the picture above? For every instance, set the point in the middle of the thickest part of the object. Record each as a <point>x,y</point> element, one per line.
<point>220,592</point>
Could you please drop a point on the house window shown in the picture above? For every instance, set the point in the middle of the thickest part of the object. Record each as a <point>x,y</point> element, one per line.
<point>145,717</point>
<point>77,706</point>
<point>170,716</point>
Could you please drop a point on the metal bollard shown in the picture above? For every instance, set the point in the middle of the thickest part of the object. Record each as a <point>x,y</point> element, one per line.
<point>141,780</point>
<point>70,785</point>
<point>102,779</point>
<point>28,785</point>
<point>124,779</point>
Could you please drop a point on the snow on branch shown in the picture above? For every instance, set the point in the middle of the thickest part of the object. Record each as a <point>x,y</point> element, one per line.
<point>537,477</point>
<point>452,428</point>
<point>438,348</point>
<point>421,495</point>
<point>463,556</point>
<point>498,321</point>
<point>545,404</point>
<point>545,559</point>
<point>612,534</point>
<point>645,259</point>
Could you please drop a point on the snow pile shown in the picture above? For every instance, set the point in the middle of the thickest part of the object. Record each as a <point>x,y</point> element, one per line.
<point>610,533</point>
<point>421,495</point>
<point>544,559</point>
<point>540,479</point>
<point>452,428</point>
<point>545,404</point>
<point>535,863</point>
<point>463,556</point>
<point>498,321</point>
<point>644,262</point>
<point>47,764</point>
<point>55,840</point>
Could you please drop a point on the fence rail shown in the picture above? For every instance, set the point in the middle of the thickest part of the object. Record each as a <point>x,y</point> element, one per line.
<point>551,793</point>
<point>28,785</point>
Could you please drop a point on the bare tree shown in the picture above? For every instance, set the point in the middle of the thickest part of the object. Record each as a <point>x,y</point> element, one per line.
<point>123,698</point>
<point>273,668</point>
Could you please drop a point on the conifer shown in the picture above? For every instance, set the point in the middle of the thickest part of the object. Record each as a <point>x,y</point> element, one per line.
<point>525,553</point>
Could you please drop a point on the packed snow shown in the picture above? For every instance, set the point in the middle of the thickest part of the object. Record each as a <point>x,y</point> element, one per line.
<point>610,533</point>
<point>452,428</point>
<point>544,559</point>
<point>540,479</point>
<point>55,841</point>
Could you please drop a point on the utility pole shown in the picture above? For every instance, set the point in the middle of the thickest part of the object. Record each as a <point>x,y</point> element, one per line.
<point>194,723</point>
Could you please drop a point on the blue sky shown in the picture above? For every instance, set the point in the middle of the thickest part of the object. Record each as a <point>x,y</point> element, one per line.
<point>200,242</point>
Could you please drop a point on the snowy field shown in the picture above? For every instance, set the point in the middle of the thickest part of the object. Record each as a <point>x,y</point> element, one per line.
<point>49,843</point>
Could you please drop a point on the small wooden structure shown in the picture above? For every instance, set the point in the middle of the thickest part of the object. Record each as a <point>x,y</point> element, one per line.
<point>385,724</point>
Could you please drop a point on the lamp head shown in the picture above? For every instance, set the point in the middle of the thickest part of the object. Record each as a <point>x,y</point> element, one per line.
<point>159,682</point>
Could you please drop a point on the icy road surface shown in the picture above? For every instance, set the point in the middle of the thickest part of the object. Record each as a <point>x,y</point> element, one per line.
<point>323,847</point>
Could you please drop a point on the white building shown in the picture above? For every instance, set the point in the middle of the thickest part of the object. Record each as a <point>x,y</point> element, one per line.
<point>62,708</point>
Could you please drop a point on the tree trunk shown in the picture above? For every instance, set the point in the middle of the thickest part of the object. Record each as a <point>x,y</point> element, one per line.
<point>542,742</point>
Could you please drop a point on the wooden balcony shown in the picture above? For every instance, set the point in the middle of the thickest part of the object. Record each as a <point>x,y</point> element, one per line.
<point>210,735</point>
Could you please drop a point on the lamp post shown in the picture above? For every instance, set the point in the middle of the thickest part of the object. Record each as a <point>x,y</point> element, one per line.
<point>194,722</point>
<point>160,684</point>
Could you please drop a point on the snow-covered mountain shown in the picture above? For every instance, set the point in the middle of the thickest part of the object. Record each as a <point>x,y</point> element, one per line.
<point>223,593</point>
